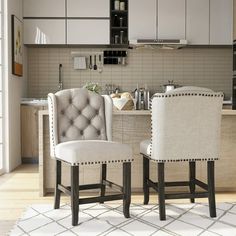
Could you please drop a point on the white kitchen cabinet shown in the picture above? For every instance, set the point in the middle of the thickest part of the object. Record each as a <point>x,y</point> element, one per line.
<point>171,19</point>
<point>44,31</point>
<point>88,31</point>
<point>221,22</point>
<point>197,21</point>
<point>44,8</point>
<point>142,19</point>
<point>88,8</point>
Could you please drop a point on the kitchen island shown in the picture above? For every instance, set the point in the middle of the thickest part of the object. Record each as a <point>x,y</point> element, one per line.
<point>131,127</point>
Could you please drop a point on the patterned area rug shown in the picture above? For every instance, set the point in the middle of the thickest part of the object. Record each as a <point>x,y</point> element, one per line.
<point>107,219</point>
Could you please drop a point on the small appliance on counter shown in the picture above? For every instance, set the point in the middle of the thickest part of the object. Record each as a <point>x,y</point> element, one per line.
<point>142,98</point>
<point>169,86</point>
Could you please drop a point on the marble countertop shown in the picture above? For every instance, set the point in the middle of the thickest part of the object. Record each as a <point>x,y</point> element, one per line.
<point>34,101</point>
<point>145,112</point>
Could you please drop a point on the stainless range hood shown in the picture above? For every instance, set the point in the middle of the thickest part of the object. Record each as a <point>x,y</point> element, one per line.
<point>158,43</point>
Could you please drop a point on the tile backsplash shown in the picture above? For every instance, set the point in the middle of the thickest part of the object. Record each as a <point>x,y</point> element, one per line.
<point>206,67</point>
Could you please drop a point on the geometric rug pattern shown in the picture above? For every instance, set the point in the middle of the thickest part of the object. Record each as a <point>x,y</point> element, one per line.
<point>108,219</point>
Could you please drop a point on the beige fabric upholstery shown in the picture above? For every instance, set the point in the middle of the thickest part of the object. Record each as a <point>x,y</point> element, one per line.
<point>80,123</point>
<point>185,125</point>
<point>93,152</point>
<point>145,147</point>
<point>81,115</point>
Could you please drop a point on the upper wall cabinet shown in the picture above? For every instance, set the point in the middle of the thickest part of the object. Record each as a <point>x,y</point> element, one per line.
<point>88,8</point>
<point>44,8</point>
<point>88,31</point>
<point>221,22</point>
<point>142,19</point>
<point>197,21</point>
<point>44,31</point>
<point>171,19</point>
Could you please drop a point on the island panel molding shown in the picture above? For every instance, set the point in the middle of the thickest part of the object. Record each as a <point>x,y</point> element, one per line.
<point>132,127</point>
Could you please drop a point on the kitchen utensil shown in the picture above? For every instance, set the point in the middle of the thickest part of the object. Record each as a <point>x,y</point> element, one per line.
<point>90,62</point>
<point>100,63</point>
<point>95,64</point>
<point>170,86</point>
<point>60,83</point>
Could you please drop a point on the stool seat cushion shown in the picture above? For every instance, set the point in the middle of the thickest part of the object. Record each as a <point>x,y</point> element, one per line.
<point>86,152</point>
<point>145,147</point>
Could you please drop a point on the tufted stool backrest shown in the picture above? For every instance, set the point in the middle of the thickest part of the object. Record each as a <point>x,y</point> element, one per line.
<point>77,114</point>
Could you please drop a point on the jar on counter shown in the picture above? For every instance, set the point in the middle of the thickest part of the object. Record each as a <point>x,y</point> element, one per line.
<point>121,37</point>
<point>116,20</point>
<point>122,5</point>
<point>117,5</point>
<point>121,22</point>
<point>116,39</point>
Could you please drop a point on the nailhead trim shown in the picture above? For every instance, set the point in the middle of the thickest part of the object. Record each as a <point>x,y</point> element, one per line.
<point>187,94</point>
<point>97,162</point>
<point>179,95</point>
<point>52,124</point>
<point>181,160</point>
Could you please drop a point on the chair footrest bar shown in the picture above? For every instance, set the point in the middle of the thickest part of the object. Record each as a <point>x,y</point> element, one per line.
<point>152,184</point>
<point>176,183</point>
<point>64,189</point>
<point>186,195</point>
<point>201,184</point>
<point>167,184</point>
<point>103,199</point>
<point>89,186</point>
<point>67,189</point>
<point>113,185</point>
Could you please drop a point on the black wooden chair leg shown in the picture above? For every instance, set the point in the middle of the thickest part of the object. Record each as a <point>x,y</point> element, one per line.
<point>75,194</point>
<point>57,193</point>
<point>211,187</point>
<point>145,178</point>
<point>103,177</point>
<point>192,177</point>
<point>126,188</point>
<point>161,191</point>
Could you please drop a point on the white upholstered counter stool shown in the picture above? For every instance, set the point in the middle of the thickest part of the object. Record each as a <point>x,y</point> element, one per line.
<point>81,134</point>
<point>185,127</point>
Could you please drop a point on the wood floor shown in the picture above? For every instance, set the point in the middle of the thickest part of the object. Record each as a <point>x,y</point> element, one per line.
<point>20,188</point>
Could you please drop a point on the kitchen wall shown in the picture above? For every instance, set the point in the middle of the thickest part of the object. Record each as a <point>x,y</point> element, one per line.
<point>14,89</point>
<point>207,67</point>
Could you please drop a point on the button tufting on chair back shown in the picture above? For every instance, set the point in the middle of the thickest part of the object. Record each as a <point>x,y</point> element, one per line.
<point>81,115</point>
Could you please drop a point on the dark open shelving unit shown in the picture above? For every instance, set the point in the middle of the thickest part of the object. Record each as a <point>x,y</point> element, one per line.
<point>116,27</point>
